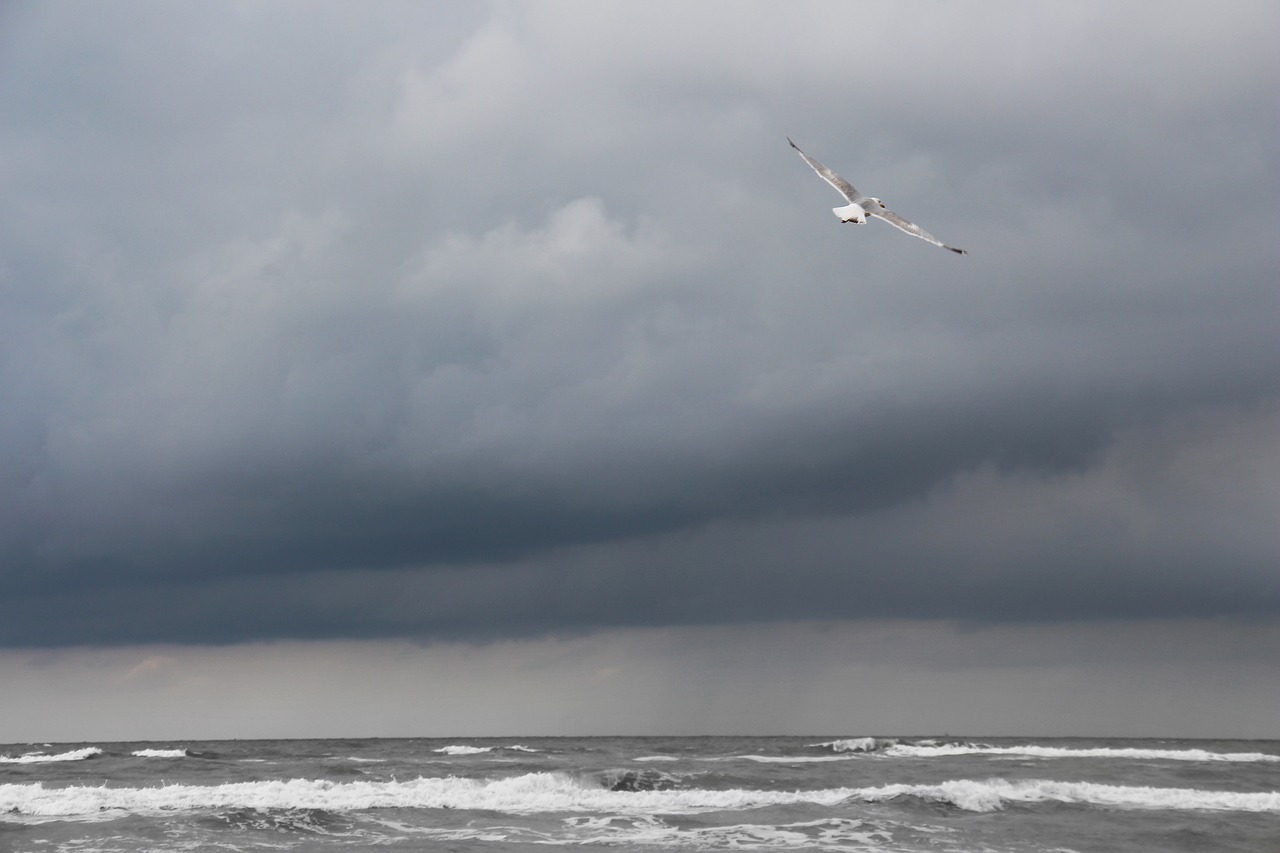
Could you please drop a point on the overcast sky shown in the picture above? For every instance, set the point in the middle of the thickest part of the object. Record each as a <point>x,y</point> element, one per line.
<point>506,354</point>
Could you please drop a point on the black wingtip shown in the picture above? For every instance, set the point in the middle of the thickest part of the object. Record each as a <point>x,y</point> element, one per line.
<point>957,251</point>
<point>793,145</point>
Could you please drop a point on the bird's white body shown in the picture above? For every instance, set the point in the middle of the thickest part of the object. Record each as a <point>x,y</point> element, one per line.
<point>851,213</point>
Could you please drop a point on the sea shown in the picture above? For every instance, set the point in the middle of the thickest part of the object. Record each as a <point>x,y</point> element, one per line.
<point>503,795</point>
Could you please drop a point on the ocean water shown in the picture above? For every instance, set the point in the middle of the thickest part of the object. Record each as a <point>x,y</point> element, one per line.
<point>640,794</point>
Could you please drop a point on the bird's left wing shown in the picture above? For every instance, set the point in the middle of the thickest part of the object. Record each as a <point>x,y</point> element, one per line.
<point>911,228</point>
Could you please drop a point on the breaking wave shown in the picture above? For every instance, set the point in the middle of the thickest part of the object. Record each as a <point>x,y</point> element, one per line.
<point>791,759</point>
<point>940,750</point>
<point>993,794</point>
<point>464,750</point>
<point>935,749</point>
<point>40,758</point>
<point>160,753</point>
<point>859,744</point>
<point>556,792</point>
<point>459,749</point>
<point>525,794</point>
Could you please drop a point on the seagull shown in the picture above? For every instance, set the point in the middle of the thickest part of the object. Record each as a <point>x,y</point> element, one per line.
<point>861,206</point>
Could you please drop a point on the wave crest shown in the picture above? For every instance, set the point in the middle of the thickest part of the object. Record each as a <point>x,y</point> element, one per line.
<point>40,758</point>
<point>900,748</point>
<point>859,744</point>
<point>993,794</point>
<point>535,793</point>
<point>464,750</point>
<point>923,750</point>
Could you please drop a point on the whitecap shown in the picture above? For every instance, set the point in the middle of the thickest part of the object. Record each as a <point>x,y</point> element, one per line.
<point>857,744</point>
<point>464,750</point>
<point>921,751</point>
<point>160,753</point>
<point>793,759</point>
<point>525,794</point>
<point>39,757</point>
<point>538,793</point>
<point>993,794</point>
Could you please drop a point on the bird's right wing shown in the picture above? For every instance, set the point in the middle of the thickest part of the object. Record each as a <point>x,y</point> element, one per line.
<point>842,186</point>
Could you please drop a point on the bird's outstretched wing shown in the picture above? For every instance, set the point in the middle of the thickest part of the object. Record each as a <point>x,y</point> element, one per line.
<point>842,186</point>
<point>911,228</point>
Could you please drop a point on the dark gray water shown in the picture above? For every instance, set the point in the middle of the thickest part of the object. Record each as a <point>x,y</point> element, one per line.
<point>639,794</point>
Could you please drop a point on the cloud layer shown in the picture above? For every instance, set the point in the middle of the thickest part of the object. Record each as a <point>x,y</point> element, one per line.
<point>324,321</point>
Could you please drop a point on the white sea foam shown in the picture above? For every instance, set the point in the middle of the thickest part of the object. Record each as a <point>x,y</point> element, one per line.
<point>464,750</point>
<point>828,834</point>
<point>555,792</point>
<point>793,759</point>
<point>857,744</point>
<point>40,758</point>
<point>160,753</point>
<point>653,832</point>
<point>480,750</point>
<point>525,794</point>
<point>992,794</point>
<point>655,758</point>
<point>940,751</point>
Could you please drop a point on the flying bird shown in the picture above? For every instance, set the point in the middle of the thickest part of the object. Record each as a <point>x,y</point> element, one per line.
<point>861,206</point>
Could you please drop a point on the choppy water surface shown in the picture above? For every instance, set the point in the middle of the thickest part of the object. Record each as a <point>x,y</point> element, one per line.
<point>777,793</point>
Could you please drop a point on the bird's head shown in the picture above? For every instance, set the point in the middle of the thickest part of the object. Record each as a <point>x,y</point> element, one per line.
<point>879,202</point>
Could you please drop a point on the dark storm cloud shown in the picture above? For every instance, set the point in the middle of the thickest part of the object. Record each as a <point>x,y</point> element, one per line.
<point>370,323</point>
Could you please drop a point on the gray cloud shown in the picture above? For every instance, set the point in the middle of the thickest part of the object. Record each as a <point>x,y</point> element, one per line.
<point>456,323</point>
